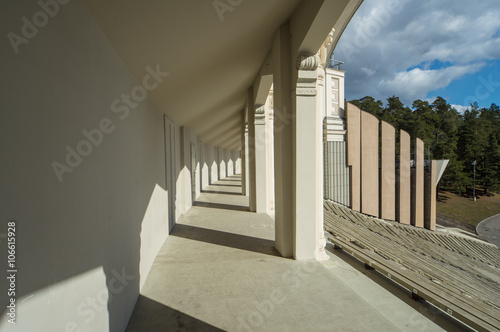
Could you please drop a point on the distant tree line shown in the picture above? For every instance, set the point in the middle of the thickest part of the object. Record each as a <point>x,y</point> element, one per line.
<point>447,134</point>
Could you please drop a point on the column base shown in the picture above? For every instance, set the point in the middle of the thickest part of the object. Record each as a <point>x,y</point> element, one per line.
<point>321,254</point>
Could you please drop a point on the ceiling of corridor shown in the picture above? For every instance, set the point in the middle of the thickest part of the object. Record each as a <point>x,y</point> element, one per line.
<point>212,59</point>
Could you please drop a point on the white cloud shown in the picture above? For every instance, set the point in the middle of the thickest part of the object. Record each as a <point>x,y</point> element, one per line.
<point>386,37</point>
<point>369,72</point>
<point>415,83</point>
<point>460,108</point>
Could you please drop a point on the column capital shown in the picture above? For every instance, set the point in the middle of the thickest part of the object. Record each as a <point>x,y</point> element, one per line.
<point>260,111</point>
<point>307,78</point>
<point>270,114</point>
<point>260,115</point>
<point>321,76</point>
<point>270,99</point>
<point>307,62</point>
<point>307,75</point>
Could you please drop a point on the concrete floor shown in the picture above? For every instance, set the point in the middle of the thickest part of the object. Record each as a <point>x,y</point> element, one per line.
<point>218,270</point>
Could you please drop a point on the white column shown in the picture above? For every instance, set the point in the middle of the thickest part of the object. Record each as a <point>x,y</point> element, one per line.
<point>261,202</point>
<point>243,155</point>
<point>203,166</point>
<point>283,154</point>
<point>307,198</point>
<point>222,164</point>
<point>237,162</point>
<point>246,179</point>
<point>228,162</point>
<point>320,114</point>
<point>251,150</point>
<point>270,153</point>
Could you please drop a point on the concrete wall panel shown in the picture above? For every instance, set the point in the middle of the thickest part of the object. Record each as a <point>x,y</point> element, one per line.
<point>369,164</point>
<point>388,173</point>
<point>404,183</point>
<point>353,119</point>
<point>430,197</point>
<point>418,187</point>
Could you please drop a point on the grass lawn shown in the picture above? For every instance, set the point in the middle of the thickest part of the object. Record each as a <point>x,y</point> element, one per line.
<point>465,209</point>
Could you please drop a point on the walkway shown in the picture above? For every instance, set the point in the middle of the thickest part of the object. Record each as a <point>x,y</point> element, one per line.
<point>489,229</point>
<point>218,270</point>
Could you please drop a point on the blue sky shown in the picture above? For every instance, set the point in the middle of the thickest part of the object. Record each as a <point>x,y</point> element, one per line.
<point>420,49</point>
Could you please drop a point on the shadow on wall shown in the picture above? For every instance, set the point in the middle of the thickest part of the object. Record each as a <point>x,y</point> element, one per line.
<point>76,252</point>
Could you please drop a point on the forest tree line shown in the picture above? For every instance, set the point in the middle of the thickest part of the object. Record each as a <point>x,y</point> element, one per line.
<point>448,134</point>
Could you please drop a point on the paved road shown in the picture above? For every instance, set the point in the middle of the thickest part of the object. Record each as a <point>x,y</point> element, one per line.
<point>489,229</point>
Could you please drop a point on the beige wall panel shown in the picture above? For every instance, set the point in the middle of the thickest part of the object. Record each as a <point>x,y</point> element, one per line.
<point>353,117</point>
<point>404,184</point>
<point>418,218</point>
<point>369,164</point>
<point>388,173</point>
<point>430,197</point>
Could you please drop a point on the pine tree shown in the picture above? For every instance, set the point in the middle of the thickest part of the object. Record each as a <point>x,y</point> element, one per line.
<point>460,138</point>
<point>489,169</point>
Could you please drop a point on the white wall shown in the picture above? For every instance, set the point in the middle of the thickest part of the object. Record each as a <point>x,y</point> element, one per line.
<point>188,138</point>
<point>222,163</point>
<point>203,166</point>
<point>213,162</point>
<point>229,163</point>
<point>210,165</point>
<point>334,93</point>
<point>179,165</point>
<point>173,170</point>
<point>237,162</point>
<point>108,217</point>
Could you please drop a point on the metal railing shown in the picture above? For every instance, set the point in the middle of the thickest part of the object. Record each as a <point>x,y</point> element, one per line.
<point>336,173</point>
<point>335,64</point>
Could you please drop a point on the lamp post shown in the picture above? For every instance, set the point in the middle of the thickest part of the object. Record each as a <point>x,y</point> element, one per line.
<point>474,181</point>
